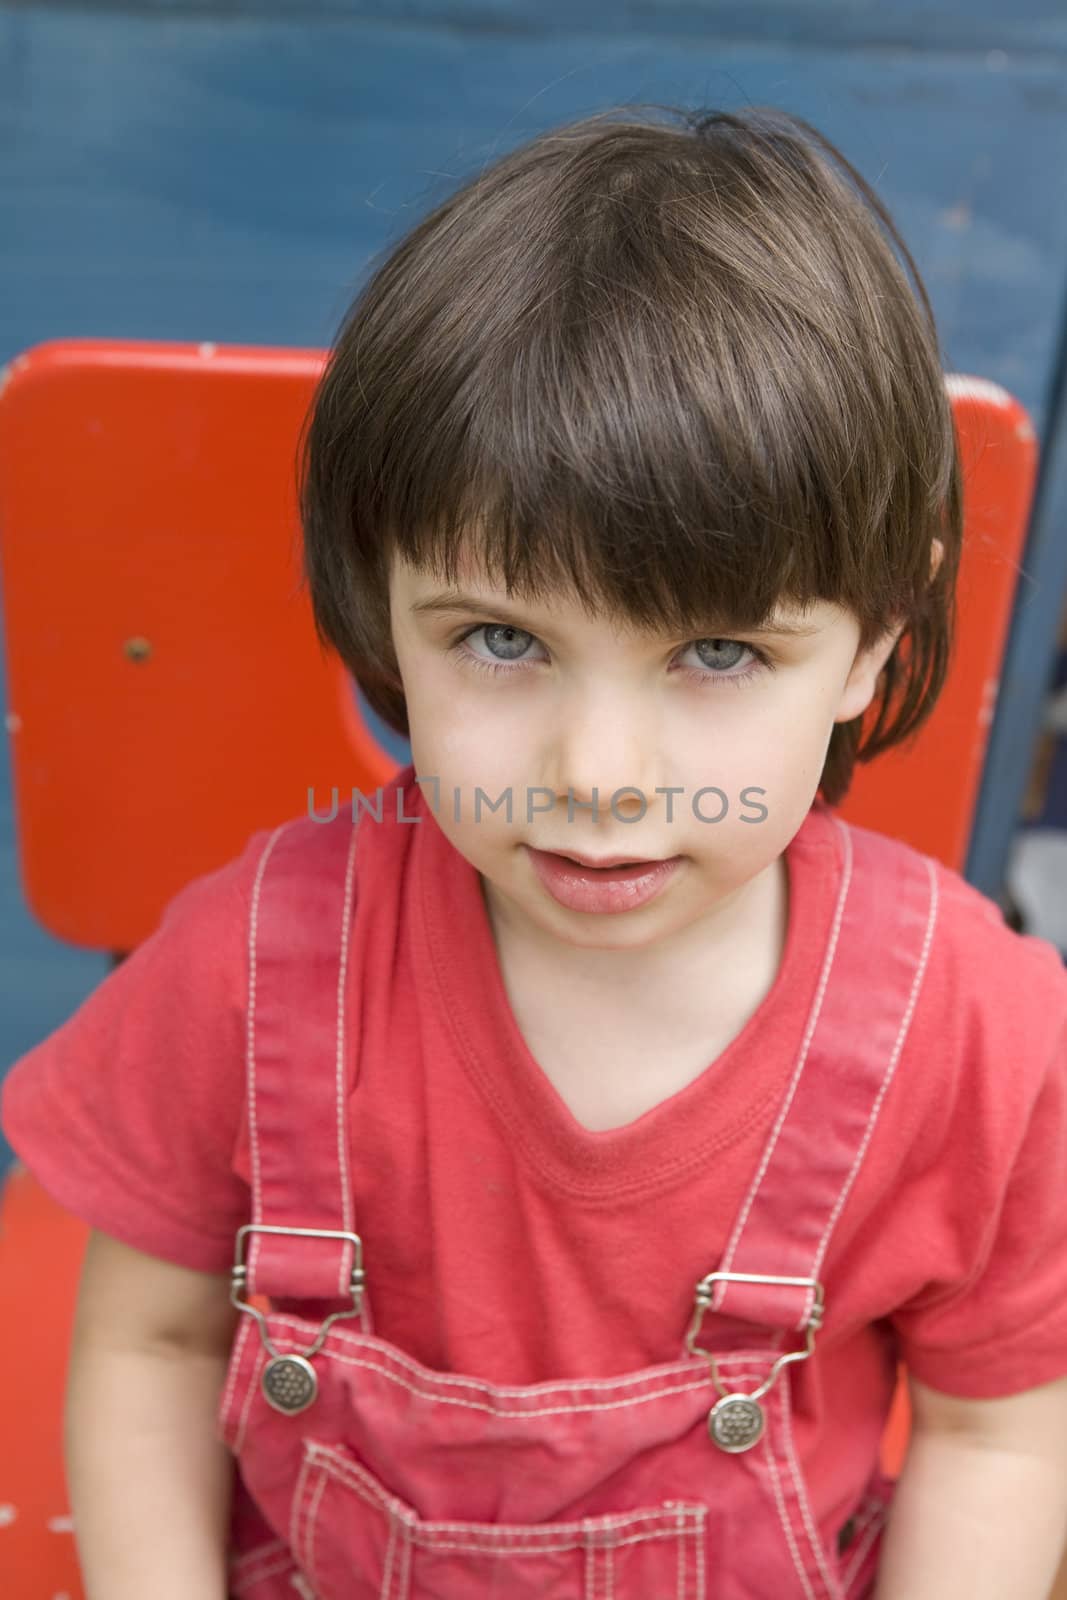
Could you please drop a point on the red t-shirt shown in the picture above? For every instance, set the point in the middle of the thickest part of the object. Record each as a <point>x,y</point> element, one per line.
<point>504,1240</point>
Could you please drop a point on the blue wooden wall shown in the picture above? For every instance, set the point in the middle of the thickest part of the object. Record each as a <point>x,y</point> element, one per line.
<point>225,172</point>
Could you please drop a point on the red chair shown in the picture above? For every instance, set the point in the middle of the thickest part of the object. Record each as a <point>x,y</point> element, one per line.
<point>165,681</point>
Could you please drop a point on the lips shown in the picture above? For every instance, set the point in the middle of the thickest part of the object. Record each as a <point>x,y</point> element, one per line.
<point>599,863</point>
<point>601,888</point>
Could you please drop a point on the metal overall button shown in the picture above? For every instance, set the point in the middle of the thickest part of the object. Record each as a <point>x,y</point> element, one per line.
<point>736,1421</point>
<point>289,1382</point>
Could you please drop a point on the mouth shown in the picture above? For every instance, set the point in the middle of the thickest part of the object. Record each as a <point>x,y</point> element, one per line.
<point>601,884</point>
<point>600,864</point>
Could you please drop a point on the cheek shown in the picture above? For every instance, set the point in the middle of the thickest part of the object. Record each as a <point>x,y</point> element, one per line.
<point>434,700</point>
<point>802,716</point>
<point>463,746</point>
<point>778,746</point>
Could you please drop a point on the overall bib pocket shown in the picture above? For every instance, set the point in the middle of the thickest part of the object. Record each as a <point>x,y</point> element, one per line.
<point>355,1541</point>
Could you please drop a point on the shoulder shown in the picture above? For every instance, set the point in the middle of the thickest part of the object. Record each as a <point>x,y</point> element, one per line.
<point>1013,984</point>
<point>990,1020</point>
<point>183,989</point>
<point>132,1112</point>
<point>970,939</point>
<point>225,897</point>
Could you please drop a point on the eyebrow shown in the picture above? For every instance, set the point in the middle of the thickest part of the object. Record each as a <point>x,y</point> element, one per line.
<point>448,604</point>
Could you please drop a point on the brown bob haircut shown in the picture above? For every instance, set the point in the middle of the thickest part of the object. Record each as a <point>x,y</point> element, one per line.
<point>668,364</point>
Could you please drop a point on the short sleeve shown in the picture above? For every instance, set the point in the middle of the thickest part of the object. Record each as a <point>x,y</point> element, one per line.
<point>1003,1327</point>
<point>130,1112</point>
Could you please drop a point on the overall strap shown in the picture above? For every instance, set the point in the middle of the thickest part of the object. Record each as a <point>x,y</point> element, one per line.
<point>873,969</point>
<point>297,1055</point>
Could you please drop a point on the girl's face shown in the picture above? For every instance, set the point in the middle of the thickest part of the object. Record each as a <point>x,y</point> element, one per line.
<point>535,702</point>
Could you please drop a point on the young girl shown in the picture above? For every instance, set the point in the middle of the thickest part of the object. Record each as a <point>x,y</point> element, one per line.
<point>474,1216</point>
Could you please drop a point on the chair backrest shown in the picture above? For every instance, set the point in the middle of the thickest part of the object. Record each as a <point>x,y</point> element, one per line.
<point>167,692</point>
<point>926,790</point>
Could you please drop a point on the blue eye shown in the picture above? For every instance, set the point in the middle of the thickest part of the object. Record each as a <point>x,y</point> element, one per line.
<point>518,640</point>
<point>761,662</point>
<point>715,645</point>
<point>506,635</point>
<point>503,633</point>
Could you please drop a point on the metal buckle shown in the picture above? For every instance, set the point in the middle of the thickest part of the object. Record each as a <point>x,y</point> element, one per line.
<point>703,1298</point>
<point>239,1279</point>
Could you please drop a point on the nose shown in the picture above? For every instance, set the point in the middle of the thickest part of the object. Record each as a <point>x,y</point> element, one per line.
<point>604,744</point>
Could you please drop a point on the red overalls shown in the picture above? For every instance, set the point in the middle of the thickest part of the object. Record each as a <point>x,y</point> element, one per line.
<point>363,1475</point>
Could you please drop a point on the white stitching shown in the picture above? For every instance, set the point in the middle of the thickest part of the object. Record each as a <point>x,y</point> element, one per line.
<point>257,1367</point>
<point>342,1142</point>
<point>484,1537</point>
<point>360,1481</point>
<point>279,1566</point>
<point>242,1583</point>
<point>858,1556</point>
<point>252,1565</point>
<point>701,1537</point>
<point>427,1535</point>
<point>551,1386</point>
<point>390,1555</point>
<point>312,1521</point>
<point>569,1547</point>
<point>406,1577</point>
<point>367,1487</point>
<point>874,1525</point>
<point>680,1587</point>
<point>231,1379</point>
<point>726,1363</point>
<point>824,978</point>
<point>250,1046</point>
<point>783,1517</point>
<point>303,1506</point>
<point>299,1496</point>
<point>832,1588</point>
<point>499,1411</point>
<point>338,1335</point>
<point>594,1552</point>
<point>897,1048</point>
<point>590,1567</point>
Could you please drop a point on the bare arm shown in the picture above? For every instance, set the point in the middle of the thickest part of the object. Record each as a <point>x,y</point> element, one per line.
<point>981,1508</point>
<point>149,1481</point>
<point>1059,1588</point>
